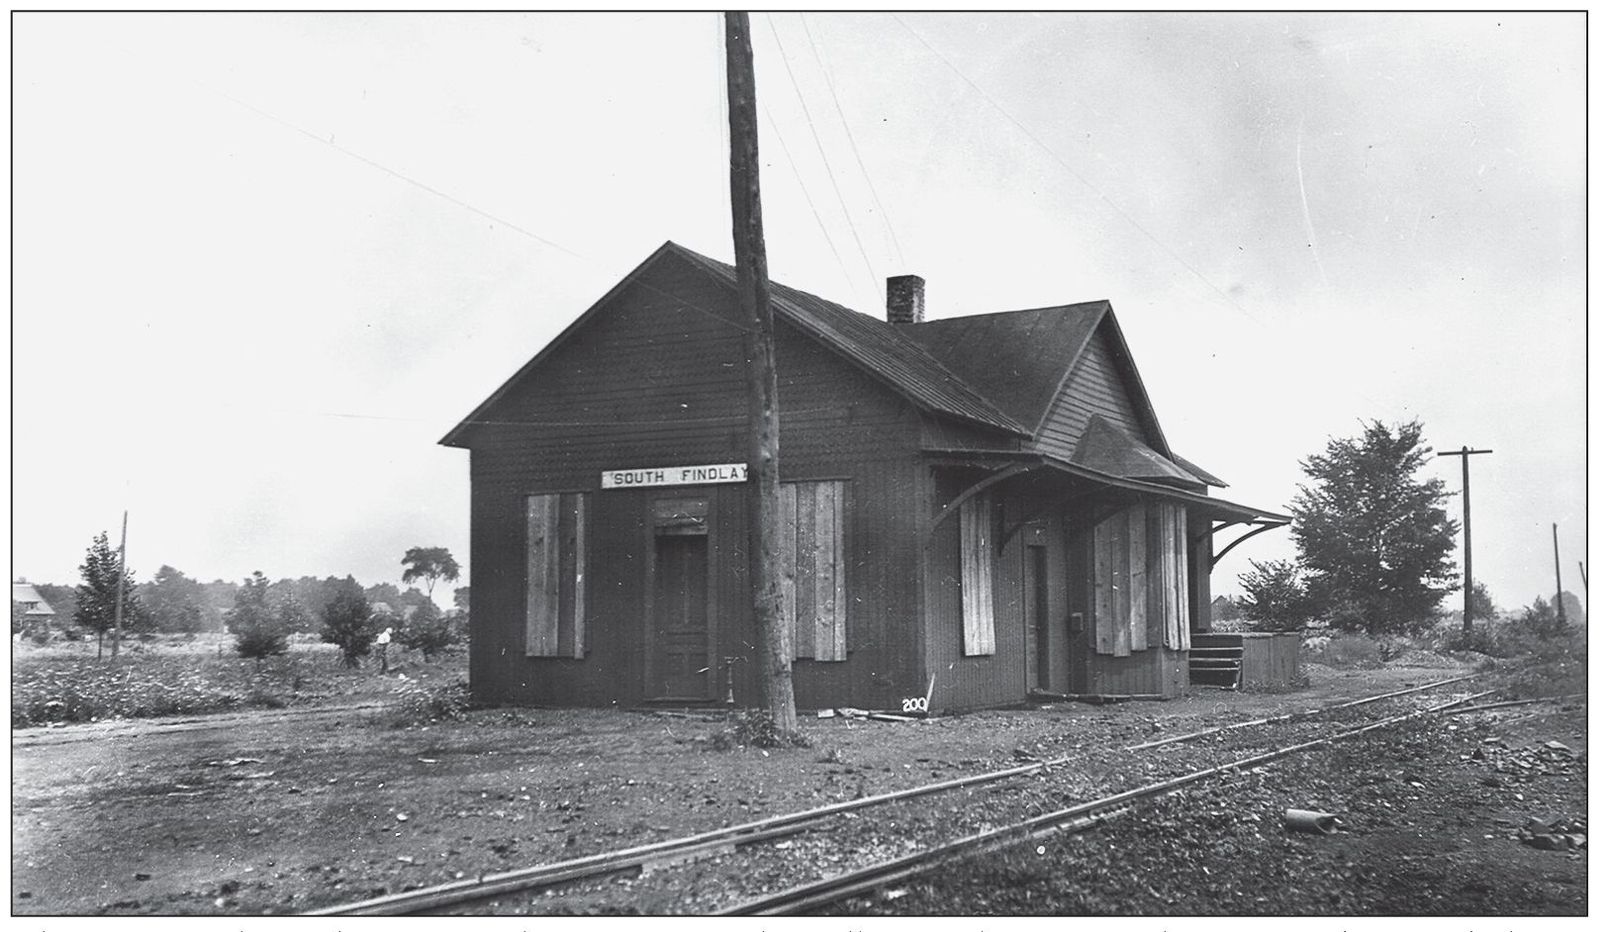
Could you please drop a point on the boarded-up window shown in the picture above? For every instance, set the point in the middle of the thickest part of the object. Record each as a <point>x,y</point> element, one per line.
<point>811,516</point>
<point>556,548</point>
<point>977,557</point>
<point>1140,577</point>
<point>1173,560</point>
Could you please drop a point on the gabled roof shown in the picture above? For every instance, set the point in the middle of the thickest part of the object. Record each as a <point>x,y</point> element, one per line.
<point>1020,358</point>
<point>879,347</point>
<point>1106,448</point>
<point>871,343</point>
<point>1001,370</point>
<point>27,594</point>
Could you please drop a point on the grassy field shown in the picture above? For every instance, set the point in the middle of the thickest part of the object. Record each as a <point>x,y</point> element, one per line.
<point>64,682</point>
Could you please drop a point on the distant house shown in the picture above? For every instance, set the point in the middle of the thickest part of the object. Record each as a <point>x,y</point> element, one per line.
<point>974,509</point>
<point>36,612</point>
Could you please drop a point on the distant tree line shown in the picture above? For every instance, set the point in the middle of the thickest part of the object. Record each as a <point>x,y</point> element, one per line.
<point>261,615</point>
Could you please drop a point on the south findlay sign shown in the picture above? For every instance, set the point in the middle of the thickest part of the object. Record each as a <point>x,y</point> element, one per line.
<point>673,475</point>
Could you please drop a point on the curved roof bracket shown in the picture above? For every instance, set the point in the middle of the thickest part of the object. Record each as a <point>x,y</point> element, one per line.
<point>1000,475</point>
<point>1262,527</point>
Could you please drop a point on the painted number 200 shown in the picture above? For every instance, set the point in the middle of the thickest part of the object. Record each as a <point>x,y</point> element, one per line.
<point>919,704</point>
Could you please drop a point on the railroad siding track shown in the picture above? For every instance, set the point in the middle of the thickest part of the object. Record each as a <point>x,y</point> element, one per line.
<point>883,835</point>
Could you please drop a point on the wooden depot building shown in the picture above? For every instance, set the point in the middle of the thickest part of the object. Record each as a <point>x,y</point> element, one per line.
<point>975,509</point>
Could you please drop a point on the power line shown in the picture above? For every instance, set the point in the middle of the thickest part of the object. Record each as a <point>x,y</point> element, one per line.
<point>331,142</point>
<point>873,276</point>
<point>834,95</point>
<point>808,195</point>
<point>1073,171</point>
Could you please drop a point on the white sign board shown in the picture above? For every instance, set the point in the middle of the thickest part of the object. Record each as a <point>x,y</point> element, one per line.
<point>673,475</point>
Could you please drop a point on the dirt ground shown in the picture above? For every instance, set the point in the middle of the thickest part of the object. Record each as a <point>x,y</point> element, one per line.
<point>282,812</point>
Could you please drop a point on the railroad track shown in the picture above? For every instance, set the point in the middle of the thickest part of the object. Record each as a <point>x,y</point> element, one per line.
<point>725,840</point>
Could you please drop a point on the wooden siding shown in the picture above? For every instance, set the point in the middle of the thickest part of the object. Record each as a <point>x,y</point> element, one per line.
<point>1094,386</point>
<point>650,381</point>
<point>1270,661</point>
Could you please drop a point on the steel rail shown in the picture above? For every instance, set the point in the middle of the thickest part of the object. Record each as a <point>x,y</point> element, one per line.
<point>1292,716</point>
<point>611,862</point>
<point>1074,818</point>
<point>1514,702</point>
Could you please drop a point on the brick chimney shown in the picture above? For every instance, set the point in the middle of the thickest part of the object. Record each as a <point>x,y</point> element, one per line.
<point>904,299</point>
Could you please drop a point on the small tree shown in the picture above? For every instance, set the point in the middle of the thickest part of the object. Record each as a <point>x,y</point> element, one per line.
<point>255,622</point>
<point>348,623</point>
<point>1277,597</point>
<point>96,608</point>
<point>427,630</point>
<point>429,564</point>
<point>1375,541</point>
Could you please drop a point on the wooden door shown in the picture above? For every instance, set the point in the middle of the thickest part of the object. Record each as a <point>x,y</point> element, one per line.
<point>681,650</point>
<point>1037,599</point>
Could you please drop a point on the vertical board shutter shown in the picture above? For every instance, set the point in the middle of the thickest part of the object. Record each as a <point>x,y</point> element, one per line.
<point>555,575</point>
<point>812,518</point>
<point>579,561</point>
<point>787,548</point>
<point>1104,581</point>
<point>1138,604</point>
<point>1182,627</point>
<point>976,559</point>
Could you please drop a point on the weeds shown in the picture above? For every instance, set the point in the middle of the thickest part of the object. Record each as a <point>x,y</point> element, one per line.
<point>419,703</point>
<point>754,729</point>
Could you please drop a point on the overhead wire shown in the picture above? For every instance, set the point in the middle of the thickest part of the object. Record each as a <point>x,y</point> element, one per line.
<point>873,276</point>
<point>828,79</point>
<point>1076,172</point>
<point>806,192</point>
<point>366,160</point>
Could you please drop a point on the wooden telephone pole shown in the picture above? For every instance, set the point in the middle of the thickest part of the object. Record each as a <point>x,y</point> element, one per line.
<point>1466,534</point>
<point>117,606</point>
<point>1556,551</point>
<point>750,260</point>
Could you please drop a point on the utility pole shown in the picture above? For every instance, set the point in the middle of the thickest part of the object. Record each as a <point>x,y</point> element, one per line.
<point>1555,548</point>
<point>1466,534</point>
<point>117,606</point>
<point>750,261</point>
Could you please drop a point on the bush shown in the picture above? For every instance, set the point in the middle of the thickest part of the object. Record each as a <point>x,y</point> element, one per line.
<point>755,729</point>
<point>427,630</point>
<point>1278,597</point>
<point>1349,652</point>
<point>420,704</point>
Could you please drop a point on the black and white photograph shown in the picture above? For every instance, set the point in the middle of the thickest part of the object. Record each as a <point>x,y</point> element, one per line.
<point>862,465</point>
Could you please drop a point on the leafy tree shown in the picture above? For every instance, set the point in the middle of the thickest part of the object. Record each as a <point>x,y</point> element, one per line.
<point>175,601</point>
<point>96,608</point>
<point>427,630</point>
<point>429,564</point>
<point>1374,540</point>
<point>348,623</point>
<point>1482,603</point>
<point>1277,596</point>
<point>255,622</point>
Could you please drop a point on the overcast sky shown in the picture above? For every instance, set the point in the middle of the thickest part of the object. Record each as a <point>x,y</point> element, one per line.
<point>262,263</point>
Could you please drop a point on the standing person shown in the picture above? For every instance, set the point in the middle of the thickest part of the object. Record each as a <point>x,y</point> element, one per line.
<point>381,640</point>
